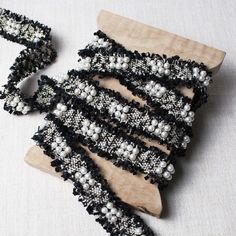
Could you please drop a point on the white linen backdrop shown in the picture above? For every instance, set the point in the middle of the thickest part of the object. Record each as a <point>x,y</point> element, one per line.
<point>202,200</point>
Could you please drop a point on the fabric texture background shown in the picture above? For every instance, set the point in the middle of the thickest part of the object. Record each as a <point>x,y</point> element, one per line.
<point>201,201</point>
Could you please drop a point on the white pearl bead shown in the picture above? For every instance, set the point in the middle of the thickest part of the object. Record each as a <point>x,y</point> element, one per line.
<point>81,85</point>
<point>86,122</point>
<point>68,150</point>
<point>89,98</point>
<point>82,180</point>
<point>157,131</point>
<point>20,104</point>
<point>166,65</point>
<point>108,215</point>
<point>158,95</point>
<point>187,107</point>
<point>126,154</point>
<point>118,66</point>
<point>187,119</point>
<point>154,68</point>
<point>19,108</point>
<point>77,91</point>
<point>158,170</point>
<point>54,145</point>
<point>159,63</point>
<point>58,139</point>
<point>86,66</point>
<point>92,126</point>
<point>63,144</point>
<point>113,219</point>
<point>171,168</point>
<point>162,90</point>
<point>124,66</point>
<point>154,122</point>
<point>120,59</point>
<point>203,73</point>
<point>87,89</point>
<point>16,99</point>
<point>119,107</point>
<point>112,58</point>
<point>88,59</point>
<point>130,148</point>
<point>166,174</point>
<point>135,151</point>
<point>167,72</point>
<point>105,44</point>
<point>148,87</point>
<point>152,63</point>
<point>191,114</point>
<point>123,116</point>
<point>113,210</point>
<point>186,139</point>
<point>63,108</point>
<point>86,186</point>
<point>163,164</point>
<point>119,214</point>
<point>206,83</point>
<point>59,105</point>
<point>104,210</point>
<point>63,154</point>
<point>201,78</point>
<point>123,145</point>
<point>83,95</point>
<point>117,113</point>
<point>83,170</point>
<point>183,113</point>
<point>126,109</point>
<point>77,175</point>
<point>164,134</point>
<point>101,41</point>
<point>167,128</point>
<point>95,137</point>
<point>196,70</point>
<point>160,125</point>
<point>91,182</point>
<point>151,128</point>
<point>13,103</point>
<point>126,59</point>
<point>132,157</point>
<point>93,92</point>
<point>109,205</point>
<point>97,130</point>
<point>120,151</point>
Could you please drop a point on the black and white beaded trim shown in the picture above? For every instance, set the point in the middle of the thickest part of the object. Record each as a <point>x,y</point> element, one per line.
<point>39,52</point>
<point>109,104</point>
<point>113,144</point>
<point>136,71</point>
<point>91,188</point>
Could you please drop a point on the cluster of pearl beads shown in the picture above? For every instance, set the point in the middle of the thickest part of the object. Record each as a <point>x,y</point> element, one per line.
<point>186,141</point>
<point>84,64</point>
<point>60,78</point>
<point>99,42</point>
<point>128,151</point>
<point>159,129</point>
<point>201,75</point>
<point>119,62</point>
<point>162,68</point>
<point>119,111</point>
<point>155,89</point>
<point>85,91</point>
<point>111,213</point>
<point>19,106</point>
<point>84,177</point>
<point>60,108</point>
<point>90,129</point>
<point>13,27</point>
<point>61,147</point>
<point>187,114</point>
<point>167,174</point>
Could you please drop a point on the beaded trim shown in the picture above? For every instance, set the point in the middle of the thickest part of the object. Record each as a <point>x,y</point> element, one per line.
<point>112,143</point>
<point>109,104</point>
<point>91,188</point>
<point>39,52</point>
<point>149,75</point>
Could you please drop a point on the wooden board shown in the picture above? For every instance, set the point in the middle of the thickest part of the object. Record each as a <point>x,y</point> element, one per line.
<point>134,190</point>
